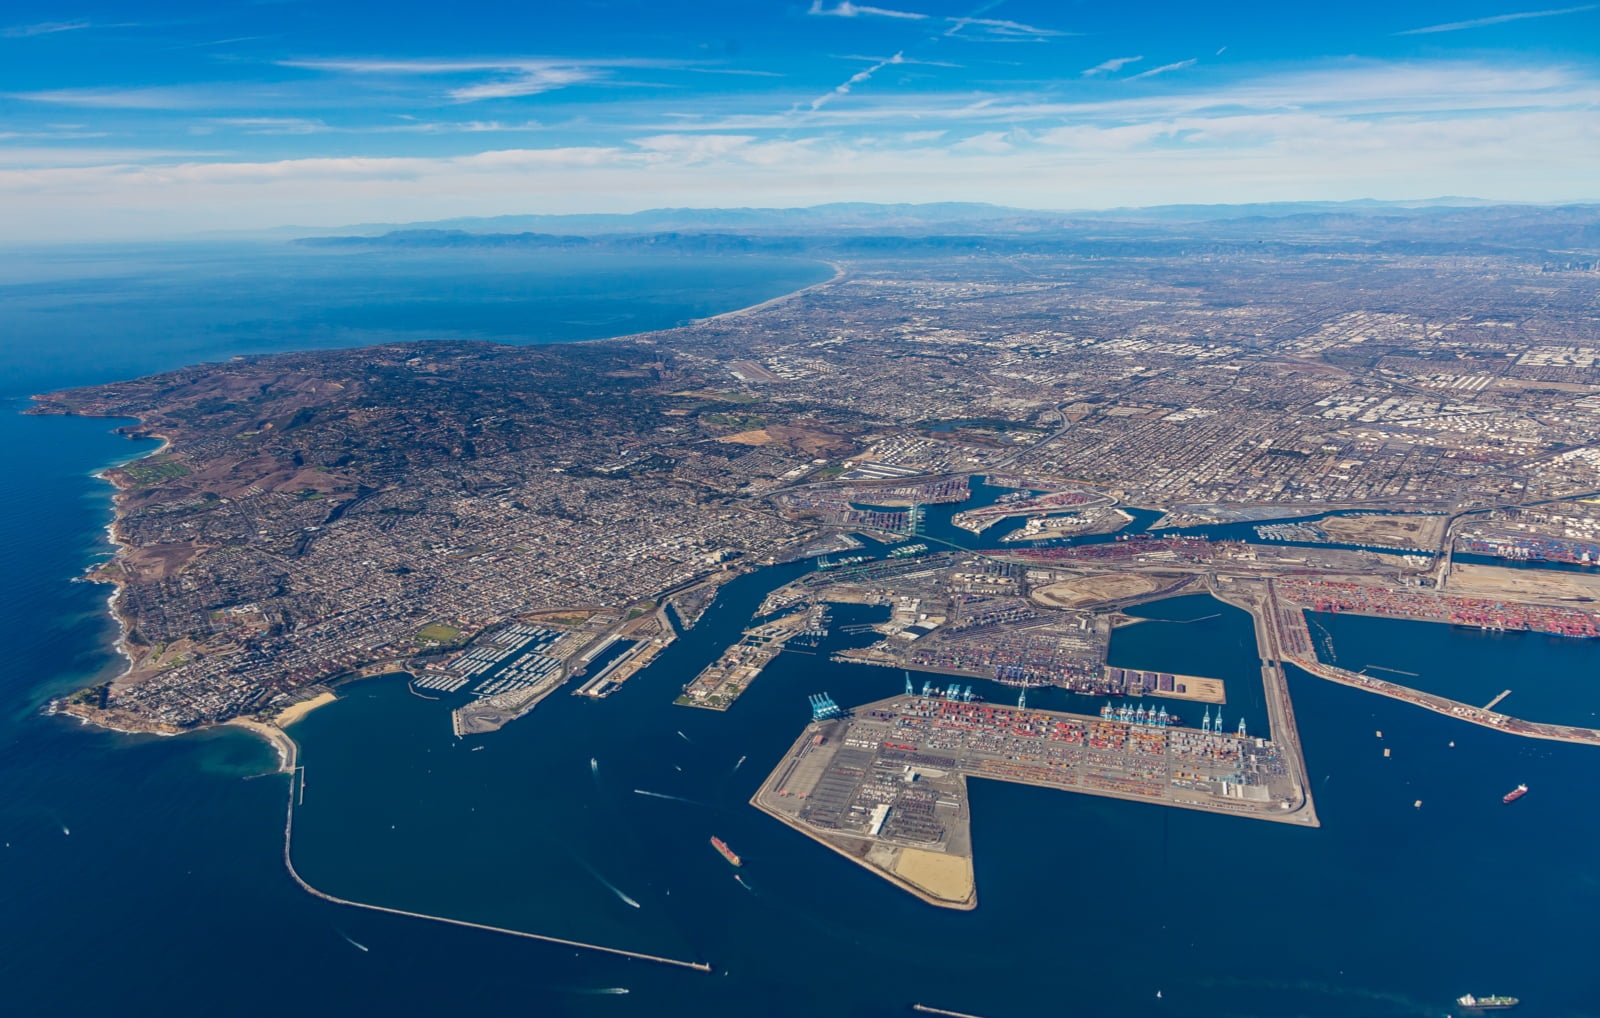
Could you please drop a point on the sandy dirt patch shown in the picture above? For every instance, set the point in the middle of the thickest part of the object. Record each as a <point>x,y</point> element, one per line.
<point>1385,531</point>
<point>1094,589</point>
<point>1549,585</point>
<point>948,877</point>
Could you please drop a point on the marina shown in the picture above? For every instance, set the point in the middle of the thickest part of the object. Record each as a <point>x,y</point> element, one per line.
<point>509,660</point>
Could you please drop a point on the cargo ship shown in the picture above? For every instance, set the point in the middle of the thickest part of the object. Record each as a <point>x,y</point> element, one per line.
<point>1479,1004</point>
<point>726,852</point>
<point>1514,794</point>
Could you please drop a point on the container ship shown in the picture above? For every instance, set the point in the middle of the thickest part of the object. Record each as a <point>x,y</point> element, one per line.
<point>1514,794</point>
<point>1479,1004</point>
<point>726,852</point>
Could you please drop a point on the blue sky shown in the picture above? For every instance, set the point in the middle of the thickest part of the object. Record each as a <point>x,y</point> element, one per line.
<point>148,119</point>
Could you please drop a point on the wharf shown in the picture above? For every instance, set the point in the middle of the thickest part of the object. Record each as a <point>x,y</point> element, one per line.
<point>887,786</point>
<point>1134,682</point>
<point>721,682</point>
<point>1289,629</point>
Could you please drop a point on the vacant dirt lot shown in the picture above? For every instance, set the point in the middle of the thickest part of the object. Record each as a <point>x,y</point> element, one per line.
<point>1085,590</point>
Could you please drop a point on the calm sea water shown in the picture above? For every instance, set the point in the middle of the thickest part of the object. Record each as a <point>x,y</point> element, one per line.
<point>143,875</point>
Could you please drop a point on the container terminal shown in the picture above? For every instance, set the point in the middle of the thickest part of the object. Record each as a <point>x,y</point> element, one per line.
<point>885,785</point>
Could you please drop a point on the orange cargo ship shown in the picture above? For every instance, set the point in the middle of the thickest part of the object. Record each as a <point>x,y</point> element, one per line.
<point>726,852</point>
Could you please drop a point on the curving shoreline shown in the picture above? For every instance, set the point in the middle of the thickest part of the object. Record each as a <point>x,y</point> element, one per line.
<point>838,274</point>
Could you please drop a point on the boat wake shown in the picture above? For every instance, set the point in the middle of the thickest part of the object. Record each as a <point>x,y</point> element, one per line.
<point>740,877</point>
<point>355,944</point>
<point>598,990</point>
<point>685,738</point>
<point>613,888</point>
<point>740,763</point>
<point>663,795</point>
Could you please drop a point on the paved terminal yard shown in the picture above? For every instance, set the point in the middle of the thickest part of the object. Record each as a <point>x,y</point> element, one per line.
<point>886,787</point>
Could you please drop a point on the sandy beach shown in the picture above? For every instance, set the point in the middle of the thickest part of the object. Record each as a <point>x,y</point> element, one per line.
<point>288,752</point>
<point>294,712</point>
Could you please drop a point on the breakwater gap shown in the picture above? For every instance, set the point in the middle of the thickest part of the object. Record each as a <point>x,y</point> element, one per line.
<point>296,793</point>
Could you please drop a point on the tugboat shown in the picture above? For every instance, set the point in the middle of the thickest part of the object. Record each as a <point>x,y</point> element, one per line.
<point>1478,1005</point>
<point>726,852</point>
<point>1515,794</point>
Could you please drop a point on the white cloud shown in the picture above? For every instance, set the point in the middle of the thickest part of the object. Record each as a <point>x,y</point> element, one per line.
<point>154,98</point>
<point>1496,19</point>
<point>544,79</point>
<point>1348,89</point>
<point>266,125</point>
<point>997,28</point>
<point>50,158</point>
<point>43,28</point>
<point>986,27</point>
<point>409,125</point>
<point>1111,66</point>
<point>1163,69</point>
<point>692,148</point>
<point>519,76</point>
<point>854,80</point>
<point>846,9</point>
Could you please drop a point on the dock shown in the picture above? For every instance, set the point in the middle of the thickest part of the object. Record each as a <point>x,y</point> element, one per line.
<point>886,786</point>
<point>1290,628</point>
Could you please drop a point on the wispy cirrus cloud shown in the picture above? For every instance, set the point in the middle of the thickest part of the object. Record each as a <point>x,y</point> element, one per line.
<point>846,9</point>
<point>528,82</point>
<point>514,77</point>
<point>312,125</point>
<point>984,27</point>
<point>855,79</point>
<point>1163,69</point>
<point>1496,19</point>
<point>1111,66</point>
<point>54,27</point>
<point>151,98</point>
<point>1356,90</point>
<point>43,28</point>
<point>998,28</point>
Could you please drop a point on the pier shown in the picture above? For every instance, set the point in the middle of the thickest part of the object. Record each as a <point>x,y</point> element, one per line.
<point>886,786</point>
<point>1290,628</point>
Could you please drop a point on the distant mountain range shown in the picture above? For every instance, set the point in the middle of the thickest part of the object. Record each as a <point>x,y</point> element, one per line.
<point>1439,226</point>
<point>935,216</point>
